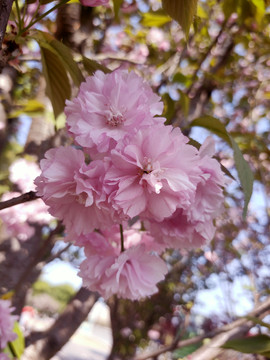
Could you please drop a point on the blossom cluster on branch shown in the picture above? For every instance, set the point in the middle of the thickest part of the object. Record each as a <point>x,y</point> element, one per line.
<point>127,167</point>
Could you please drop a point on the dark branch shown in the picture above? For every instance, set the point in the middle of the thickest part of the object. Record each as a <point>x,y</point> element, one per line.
<point>5,9</point>
<point>31,195</point>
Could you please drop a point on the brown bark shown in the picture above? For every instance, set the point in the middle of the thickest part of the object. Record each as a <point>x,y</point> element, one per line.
<point>30,196</point>
<point>46,345</point>
<point>5,9</point>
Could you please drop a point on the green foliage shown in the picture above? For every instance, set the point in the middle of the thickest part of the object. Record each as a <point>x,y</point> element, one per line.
<point>116,6</point>
<point>182,11</point>
<point>57,83</point>
<point>157,18</point>
<point>16,347</point>
<point>243,169</point>
<point>259,344</point>
<point>247,10</point>
<point>57,61</point>
<point>61,293</point>
<point>91,66</point>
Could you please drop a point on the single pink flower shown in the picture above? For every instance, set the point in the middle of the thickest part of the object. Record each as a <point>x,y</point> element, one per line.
<point>94,2</point>
<point>73,190</point>
<point>6,323</point>
<point>110,106</point>
<point>209,198</point>
<point>193,226</point>
<point>180,232</point>
<point>154,171</point>
<point>109,271</point>
<point>134,274</point>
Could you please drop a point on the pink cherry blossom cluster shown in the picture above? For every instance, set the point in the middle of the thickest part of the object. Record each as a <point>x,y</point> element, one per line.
<point>125,165</point>
<point>6,326</point>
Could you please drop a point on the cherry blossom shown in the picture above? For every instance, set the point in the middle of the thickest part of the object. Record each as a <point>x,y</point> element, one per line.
<point>110,106</point>
<point>94,2</point>
<point>109,271</point>
<point>6,323</point>
<point>73,190</point>
<point>154,173</point>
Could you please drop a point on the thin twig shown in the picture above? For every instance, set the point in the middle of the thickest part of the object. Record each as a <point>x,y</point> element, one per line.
<point>205,55</point>
<point>29,196</point>
<point>259,311</point>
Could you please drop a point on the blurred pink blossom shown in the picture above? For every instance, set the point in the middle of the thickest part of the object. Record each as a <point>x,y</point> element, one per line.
<point>156,37</point>
<point>4,356</point>
<point>18,219</point>
<point>6,323</point>
<point>94,2</point>
<point>23,174</point>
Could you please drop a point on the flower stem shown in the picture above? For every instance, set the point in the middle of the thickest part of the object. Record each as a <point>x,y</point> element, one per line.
<point>18,15</point>
<point>122,238</point>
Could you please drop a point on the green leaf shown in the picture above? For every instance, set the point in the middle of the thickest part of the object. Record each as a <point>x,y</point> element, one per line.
<point>259,9</point>
<point>169,108</point>
<point>258,344</point>
<point>57,83</point>
<point>46,40</point>
<point>157,19</point>
<point>229,7</point>
<point>116,6</point>
<point>91,66</point>
<point>32,106</point>
<point>214,125</point>
<point>257,321</point>
<point>16,347</point>
<point>245,174</point>
<point>182,11</point>
<point>184,102</point>
<point>243,169</point>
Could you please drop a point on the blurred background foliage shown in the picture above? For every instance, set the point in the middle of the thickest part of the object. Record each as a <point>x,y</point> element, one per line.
<point>216,68</point>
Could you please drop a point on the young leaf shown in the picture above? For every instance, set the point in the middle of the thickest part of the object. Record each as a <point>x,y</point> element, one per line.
<point>244,172</point>
<point>91,66</point>
<point>156,18</point>
<point>46,40</point>
<point>183,11</point>
<point>116,7</point>
<point>57,83</point>
<point>18,344</point>
<point>258,344</point>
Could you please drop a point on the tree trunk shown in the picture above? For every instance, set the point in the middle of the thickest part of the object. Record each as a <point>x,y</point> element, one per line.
<point>45,345</point>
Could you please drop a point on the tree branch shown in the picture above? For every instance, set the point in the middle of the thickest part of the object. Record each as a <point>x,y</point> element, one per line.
<point>5,9</point>
<point>29,196</point>
<point>219,337</point>
<point>46,345</point>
